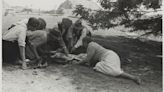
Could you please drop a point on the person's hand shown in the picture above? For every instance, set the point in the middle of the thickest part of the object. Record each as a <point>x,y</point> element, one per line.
<point>66,50</point>
<point>53,52</point>
<point>73,49</point>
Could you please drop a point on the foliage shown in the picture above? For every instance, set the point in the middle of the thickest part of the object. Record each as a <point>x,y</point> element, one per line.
<point>83,12</point>
<point>153,24</point>
<point>123,9</point>
<point>128,5</point>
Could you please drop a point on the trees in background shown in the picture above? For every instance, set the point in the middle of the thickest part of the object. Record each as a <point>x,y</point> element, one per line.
<point>124,12</point>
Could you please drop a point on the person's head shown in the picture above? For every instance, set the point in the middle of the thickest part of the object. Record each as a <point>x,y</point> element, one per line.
<point>42,24</point>
<point>78,25</point>
<point>78,22</point>
<point>32,24</point>
<point>86,41</point>
<point>66,23</point>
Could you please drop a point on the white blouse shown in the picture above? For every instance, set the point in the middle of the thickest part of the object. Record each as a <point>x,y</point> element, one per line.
<point>17,33</point>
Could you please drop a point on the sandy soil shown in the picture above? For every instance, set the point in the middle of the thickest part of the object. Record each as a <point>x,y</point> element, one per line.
<point>73,78</point>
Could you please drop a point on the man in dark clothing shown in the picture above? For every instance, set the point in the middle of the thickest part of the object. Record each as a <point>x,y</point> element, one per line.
<point>64,27</point>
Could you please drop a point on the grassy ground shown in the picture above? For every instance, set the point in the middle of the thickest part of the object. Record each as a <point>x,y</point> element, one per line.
<point>142,59</point>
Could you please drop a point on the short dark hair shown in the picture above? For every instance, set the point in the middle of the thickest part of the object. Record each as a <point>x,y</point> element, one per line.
<point>87,39</point>
<point>66,22</point>
<point>33,22</point>
<point>42,24</point>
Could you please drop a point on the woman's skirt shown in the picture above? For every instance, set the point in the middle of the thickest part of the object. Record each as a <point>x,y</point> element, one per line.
<point>10,51</point>
<point>109,64</point>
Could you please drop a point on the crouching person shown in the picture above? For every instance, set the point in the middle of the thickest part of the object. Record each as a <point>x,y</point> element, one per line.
<point>56,45</point>
<point>105,61</point>
<point>46,44</point>
<point>76,33</point>
<point>13,41</point>
<point>35,40</point>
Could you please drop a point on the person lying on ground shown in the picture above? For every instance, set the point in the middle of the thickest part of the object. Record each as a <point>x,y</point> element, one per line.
<point>105,61</point>
<point>76,33</point>
<point>13,41</point>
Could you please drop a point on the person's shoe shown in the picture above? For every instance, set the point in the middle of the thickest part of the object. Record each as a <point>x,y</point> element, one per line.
<point>45,64</point>
<point>137,81</point>
<point>24,66</point>
<point>20,61</point>
<point>42,65</point>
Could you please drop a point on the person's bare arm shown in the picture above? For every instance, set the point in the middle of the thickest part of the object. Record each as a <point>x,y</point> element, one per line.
<point>90,55</point>
<point>23,58</point>
<point>64,48</point>
<point>21,43</point>
<point>22,53</point>
<point>70,37</point>
<point>83,35</point>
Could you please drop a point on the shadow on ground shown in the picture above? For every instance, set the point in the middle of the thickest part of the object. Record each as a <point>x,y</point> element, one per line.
<point>138,58</point>
<point>143,59</point>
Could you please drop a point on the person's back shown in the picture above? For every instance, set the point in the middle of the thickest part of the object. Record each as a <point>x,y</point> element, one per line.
<point>99,50</point>
<point>42,24</point>
<point>17,33</point>
<point>37,37</point>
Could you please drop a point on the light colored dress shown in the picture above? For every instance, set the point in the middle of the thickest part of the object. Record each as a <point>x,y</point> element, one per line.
<point>109,61</point>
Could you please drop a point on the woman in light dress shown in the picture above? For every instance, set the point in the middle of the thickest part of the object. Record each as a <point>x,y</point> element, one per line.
<point>107,61</point>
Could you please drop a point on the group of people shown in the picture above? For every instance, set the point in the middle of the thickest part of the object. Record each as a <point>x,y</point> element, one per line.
<point>31,39</point>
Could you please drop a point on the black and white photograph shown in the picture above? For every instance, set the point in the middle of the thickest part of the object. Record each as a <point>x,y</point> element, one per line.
<point>82,46</point>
